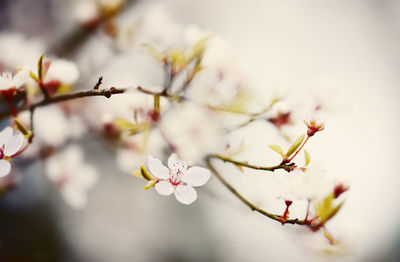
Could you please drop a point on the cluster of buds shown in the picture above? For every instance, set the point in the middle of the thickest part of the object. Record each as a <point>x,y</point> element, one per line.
<point>314,125</point>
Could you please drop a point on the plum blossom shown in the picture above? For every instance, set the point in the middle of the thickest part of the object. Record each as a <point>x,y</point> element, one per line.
<point>178,178</point>
<point>11,142</point>
<point>72,175</point>
<point>299,184</point>
<point>62,71</point>
<point>8,81</point>
<point>190,124</point>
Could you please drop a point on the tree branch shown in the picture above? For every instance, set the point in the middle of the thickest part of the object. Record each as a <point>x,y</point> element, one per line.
<point>245,164</point>
<point>57,99</point>
<point>247,202</point>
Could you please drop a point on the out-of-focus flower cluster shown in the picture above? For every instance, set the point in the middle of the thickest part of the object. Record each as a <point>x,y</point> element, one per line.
<point>185,96</point>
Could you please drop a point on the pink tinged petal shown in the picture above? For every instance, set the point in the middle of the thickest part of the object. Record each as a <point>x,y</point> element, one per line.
<point>185,194</point>
<point>14,144</point>
<point>196,176</point>
<point>5,135</point>
<point>5,167</point>
<point>175,163</point>
<point>157,169</point>
<point>164,188</point>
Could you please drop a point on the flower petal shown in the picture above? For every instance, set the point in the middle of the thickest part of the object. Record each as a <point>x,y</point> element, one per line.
<point>5,135</point>
<point>157,169</point>
<point>13,144</point>
<point>185,194</point>
<point>164,188</point>
<point>175,163</point>
<point>75,198</point>
<point>5,167</point>
<point>21,77</point>
<point>196,176</point>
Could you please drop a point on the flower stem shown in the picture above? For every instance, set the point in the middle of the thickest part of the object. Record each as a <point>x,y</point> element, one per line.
<point>299,149</point>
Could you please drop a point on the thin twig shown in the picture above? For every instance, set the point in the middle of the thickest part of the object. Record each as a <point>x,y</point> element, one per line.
<point>57,99</point>
<point>98,84</point>
<point>245,164</point>
<point>247,202</point>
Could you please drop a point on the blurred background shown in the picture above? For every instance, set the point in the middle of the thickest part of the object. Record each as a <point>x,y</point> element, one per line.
<point>345,53</point>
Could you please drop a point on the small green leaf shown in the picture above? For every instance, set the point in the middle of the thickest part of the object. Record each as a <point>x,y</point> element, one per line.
<point>334,211</point>
<point>324,208</point>
<point>33,76</point>
<point>307,158</point>
<point>40,67</point>
<point>295,145</point>
<point>277,149</point>
<point>123,124</point>
<point>150,184</point>
<point>143,173</point>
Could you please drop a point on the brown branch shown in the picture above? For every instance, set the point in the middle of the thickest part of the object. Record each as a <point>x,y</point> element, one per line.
<point>57,99</point>
<point>247,202</point>
<point>245,164</point>
<point>162,93</point>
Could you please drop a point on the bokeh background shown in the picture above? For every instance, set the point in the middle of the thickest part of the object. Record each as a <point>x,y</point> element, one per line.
<point>347,50</point>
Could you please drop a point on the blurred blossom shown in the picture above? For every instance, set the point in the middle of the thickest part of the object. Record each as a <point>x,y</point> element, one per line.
<point>72,175</point>
<point>193,130</point>
<point>17,50</point>
<point>7,80</point>
<point>311,183</point>
<point>63,71</point>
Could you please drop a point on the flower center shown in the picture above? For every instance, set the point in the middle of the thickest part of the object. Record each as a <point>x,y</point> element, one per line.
<point>175,177</point>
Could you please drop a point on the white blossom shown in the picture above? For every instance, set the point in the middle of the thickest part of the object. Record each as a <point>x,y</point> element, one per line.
<point>177,178</point>
<point>86,11</point>
<point>301,185</point>
<point>7,80</point>
<point>17,50</point>
<point>64,71</point>
<point>193,130</point>
<point>11,142</point>
<point>73,176</point>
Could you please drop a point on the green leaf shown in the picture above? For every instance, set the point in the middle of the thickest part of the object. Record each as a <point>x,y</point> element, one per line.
<point>324,208</point>
<point>33,76</point>
<point>143,173</point>
<point>277,149</point>
<point>123,124</point>
<point>295,145</point>
<point>307,158</point>
<point>150,184</point>
<point>40,67</point>
<point>334,211</point>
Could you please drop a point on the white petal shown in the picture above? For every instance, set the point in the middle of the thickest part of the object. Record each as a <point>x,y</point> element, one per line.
<point>5,135</point>
<point>196,176</point>
<point>164,188</point>
<point>13,144</point>
<point>75,198</point>
<point>64,71</point>
<point>185,194</point>
<point>5,167</point>
<point>21,78</point>
<point>157,169</point>
<point>175,163</point>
